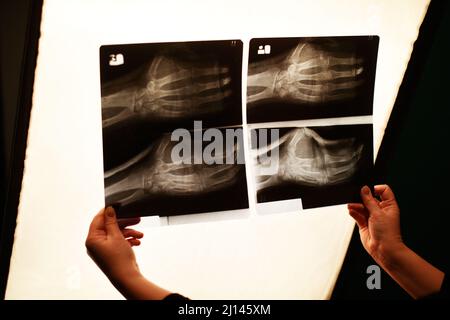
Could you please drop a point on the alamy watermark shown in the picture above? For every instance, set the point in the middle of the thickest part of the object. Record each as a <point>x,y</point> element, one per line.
<point>374,280</point>
<point>222,146</point>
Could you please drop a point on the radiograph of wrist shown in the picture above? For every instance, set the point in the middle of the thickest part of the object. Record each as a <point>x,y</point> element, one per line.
<point>158,174</point>
<point>306,158</point>
<point>310,73</point>
<point>168,89</point>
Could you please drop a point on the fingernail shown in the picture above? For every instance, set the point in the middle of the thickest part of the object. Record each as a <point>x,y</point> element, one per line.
<point>366,190</point>
<point>110,212</point>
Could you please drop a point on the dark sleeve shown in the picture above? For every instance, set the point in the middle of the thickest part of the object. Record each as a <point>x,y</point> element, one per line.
<point>175,297</point>
<point>444,293</point>
<point>445,288</point>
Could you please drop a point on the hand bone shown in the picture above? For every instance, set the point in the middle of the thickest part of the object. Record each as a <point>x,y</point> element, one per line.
<point>314,75</point>
<point>306,158</point>
<point>309,74</point>
<point>189,179</point>
<point>170,89</point>
<point>158,174</point>
<point>176,90</point>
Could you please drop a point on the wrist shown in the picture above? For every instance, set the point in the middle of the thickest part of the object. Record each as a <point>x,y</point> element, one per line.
<point>261,85</point>
<point>123,275</point>
<point>135,286</point>
<point>389,255</point>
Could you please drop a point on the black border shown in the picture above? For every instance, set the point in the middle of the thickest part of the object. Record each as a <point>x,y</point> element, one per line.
<point>21,124</point>
<point>279,309</point>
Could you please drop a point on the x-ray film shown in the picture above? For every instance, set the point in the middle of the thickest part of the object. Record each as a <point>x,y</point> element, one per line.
<point>181,173</point>
<point>321,165</point>
<point>148,92</point>
<point>152,92</point>
<point>307,78</point>
<point>169,85</point>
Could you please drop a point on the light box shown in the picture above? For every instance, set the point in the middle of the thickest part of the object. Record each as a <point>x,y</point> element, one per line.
<point>292,255</point>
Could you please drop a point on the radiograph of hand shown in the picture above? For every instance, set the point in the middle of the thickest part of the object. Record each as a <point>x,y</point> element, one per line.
<point>167,89</point>
<point>156,174</point>
<point>310,73</point>
<point>306,158</point>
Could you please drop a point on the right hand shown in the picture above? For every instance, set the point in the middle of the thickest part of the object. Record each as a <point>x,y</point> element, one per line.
<point>378,223</point>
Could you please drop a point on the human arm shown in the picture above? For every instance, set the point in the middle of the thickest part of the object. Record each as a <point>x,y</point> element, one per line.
<point>379,228</point>
<point>109,244</point>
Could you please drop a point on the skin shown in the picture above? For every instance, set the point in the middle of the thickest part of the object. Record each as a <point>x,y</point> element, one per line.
<point>378,221</point>
<point>110,241</point>
<point>109,244</point>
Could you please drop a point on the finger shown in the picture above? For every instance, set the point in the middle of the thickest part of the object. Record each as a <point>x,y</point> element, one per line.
<point>356,206</point>
<point>360,219</point>
<point>387,197</point>
<point>369,201</point>
<point>128,233</point>
<point>359,207</point>
<point>208,71</point>
<point>385,192</point>
<point>213,98</point>
<point>125,222</point>
<point>98,222</point>
<point>111,226</point>
<point>134,242</point>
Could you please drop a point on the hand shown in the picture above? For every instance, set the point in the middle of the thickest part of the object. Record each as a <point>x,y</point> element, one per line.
<point>306,158</point>
<point>161,174</point>
<point>175,89</point>
<point>378,223</point>
<point>309,74</point>
<point>379,229</point>
<point>168,89</point>
<point>109,244</point>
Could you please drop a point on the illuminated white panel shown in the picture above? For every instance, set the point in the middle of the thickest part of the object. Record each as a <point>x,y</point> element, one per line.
<point>290,255</point>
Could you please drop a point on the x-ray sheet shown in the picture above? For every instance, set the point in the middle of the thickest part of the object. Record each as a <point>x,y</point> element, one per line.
<point>323,165</point>
<point>173,128</point>
<point>148,92</point>
<point>307,78</point>
<point>324,79</point>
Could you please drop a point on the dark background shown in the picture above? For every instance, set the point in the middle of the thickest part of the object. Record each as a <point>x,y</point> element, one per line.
<point>413,159</point>
<point>13,26</point>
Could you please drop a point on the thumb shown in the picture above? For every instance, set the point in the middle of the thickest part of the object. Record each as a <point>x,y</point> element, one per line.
<point>360,219</point>
<point>369,201</point>
<point>111,226</point>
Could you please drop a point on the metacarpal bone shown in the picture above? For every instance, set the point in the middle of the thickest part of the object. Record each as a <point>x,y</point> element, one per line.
<point>309,74</point>
<point>168,89</point>
<point>158,174</point>
<point>306,158</point>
